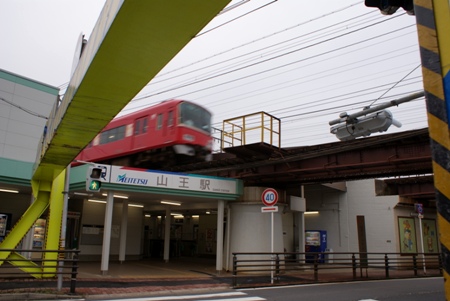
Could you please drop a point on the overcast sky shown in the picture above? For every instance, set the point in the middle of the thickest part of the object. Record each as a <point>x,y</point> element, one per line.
<point>301,61</point>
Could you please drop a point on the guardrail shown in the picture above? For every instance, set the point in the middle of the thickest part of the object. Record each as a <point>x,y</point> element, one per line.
<point>37,266</point>
<point>262,269</point>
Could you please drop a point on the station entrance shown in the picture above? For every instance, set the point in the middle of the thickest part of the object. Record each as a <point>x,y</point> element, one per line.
<point>141,214</point>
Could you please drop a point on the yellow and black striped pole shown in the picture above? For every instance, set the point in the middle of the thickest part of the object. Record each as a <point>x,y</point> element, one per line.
<point>433,26</point>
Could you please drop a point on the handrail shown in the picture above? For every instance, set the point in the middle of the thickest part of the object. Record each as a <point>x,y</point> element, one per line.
<point>66,264</point>
<point>251,128</point>
<point>298,267</point>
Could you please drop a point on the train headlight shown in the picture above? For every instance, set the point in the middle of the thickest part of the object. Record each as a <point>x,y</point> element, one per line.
<point>188,137</point>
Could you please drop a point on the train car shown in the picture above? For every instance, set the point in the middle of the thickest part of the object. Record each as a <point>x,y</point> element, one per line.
<point>171,132</point>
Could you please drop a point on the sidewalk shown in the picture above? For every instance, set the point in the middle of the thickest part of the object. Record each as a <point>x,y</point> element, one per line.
<point>155,277</point>
<point>131,278</point>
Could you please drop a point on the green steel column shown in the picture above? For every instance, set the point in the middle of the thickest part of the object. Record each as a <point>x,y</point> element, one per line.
<point>54,222</point>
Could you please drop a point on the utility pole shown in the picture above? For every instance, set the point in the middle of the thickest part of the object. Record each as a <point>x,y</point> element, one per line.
<point>433,25</point>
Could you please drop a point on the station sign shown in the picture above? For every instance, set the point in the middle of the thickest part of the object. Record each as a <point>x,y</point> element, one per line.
<point>172,180</point>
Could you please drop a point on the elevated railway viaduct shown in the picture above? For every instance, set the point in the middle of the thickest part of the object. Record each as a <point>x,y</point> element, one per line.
<point>404,158</point>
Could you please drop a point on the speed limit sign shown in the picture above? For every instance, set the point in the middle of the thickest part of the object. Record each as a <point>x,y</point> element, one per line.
<point>269,197</point>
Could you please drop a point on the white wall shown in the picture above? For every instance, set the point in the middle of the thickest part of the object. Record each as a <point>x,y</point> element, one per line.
<point>94,214</point>
<point>338,212</point>
<point>250,230</point>
<point>21,132</point>
<point>379,216</point>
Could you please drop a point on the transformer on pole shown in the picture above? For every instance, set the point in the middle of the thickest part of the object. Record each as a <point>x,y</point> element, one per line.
<point>368,121</point>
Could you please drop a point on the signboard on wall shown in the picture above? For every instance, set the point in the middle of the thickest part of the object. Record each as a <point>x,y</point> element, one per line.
<point>170,180</point>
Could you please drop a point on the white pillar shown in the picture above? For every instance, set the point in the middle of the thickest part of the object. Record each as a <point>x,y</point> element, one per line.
<point>301,222</point>
<point>299,205</point>
<point>107,232</point>
<point>123,231</point>
<point>301,231</point>
<point>167,235</point>
<point>228,237</point>
<point>219,250</point>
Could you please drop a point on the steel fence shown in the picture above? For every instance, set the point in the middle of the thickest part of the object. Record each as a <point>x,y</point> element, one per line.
<point>260,269</point>
<point>24,263</point>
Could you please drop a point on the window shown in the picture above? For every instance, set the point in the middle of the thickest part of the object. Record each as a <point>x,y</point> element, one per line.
<point>145,125</point>
<point>159,121</point>
<point>141,126</point>
<point>195,116</point>
<point>112,135</point>
<point>137,127</point>
<point>170,119</point>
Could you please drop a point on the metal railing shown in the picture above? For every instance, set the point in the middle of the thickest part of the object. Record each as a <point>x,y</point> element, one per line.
<point>251,128</point>
<point>34,264</point>
<point>261,269</point>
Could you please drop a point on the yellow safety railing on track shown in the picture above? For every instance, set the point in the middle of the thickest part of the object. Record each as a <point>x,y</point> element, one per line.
<point>251,128</point>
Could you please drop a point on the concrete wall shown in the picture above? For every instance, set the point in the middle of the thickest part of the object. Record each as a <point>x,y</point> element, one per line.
<point>378,213</point>
<point>338,213</point>
<point>250,231</point>
<point>93,216</point>
<point>22,101</point>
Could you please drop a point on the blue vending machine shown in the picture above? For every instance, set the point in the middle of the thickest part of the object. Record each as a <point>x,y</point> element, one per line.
<point>315,241</point>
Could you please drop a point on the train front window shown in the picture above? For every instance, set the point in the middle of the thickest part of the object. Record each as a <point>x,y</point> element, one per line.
<point>195,116</point>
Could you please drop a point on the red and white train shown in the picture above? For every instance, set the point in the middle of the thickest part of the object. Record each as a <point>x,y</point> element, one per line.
<point>171,132</point>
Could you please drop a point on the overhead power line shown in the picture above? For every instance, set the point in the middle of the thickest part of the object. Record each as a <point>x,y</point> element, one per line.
<point>270,59</point>
<point>223,81</point>
<point>395,84</point>
<point>23,109</point>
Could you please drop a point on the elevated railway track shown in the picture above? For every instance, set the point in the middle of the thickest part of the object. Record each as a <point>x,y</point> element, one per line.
<point>386,156</point>
<point>392,155</point>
